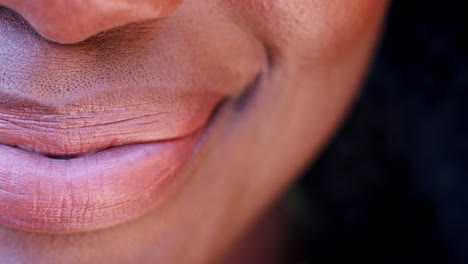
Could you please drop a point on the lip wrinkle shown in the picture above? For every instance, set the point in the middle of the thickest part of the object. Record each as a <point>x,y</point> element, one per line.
<point>77,142</point>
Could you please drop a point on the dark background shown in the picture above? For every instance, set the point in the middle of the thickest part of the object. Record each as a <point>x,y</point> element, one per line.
<point>392,187</point>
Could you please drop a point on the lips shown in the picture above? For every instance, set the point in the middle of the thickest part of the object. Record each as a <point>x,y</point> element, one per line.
<point>64,171</point>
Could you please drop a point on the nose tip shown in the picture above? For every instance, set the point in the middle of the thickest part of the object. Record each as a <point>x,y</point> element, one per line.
<point>72,21</point>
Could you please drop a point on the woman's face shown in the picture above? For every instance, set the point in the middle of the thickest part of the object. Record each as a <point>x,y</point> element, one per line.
<point>137,131</point>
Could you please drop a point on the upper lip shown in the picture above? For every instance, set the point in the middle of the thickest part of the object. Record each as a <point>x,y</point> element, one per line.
<point>77,130</point>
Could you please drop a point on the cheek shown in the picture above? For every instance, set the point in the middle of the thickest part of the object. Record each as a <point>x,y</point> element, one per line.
<point>311,27</point>
<point>319,51</point>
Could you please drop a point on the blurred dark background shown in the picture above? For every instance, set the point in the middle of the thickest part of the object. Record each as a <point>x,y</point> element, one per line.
<point>392,187</point>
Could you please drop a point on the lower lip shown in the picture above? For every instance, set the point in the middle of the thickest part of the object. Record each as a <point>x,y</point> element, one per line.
<point>94,191</point>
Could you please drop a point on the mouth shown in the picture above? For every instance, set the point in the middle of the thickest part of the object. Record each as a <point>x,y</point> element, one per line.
<point>57,191</point>
<point>96,134</point>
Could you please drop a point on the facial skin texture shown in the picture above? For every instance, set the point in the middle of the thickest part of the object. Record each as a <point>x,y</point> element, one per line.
<point>308,56</point>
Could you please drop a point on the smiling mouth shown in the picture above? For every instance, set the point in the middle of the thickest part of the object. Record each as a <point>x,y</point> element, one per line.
<point>79,166</point>
<point>58,192</point>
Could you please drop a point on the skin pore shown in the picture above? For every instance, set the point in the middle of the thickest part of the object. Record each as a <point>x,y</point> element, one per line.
<point>261,86</point>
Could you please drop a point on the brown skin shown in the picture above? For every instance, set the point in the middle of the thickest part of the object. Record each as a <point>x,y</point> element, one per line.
<point>310,55</point>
